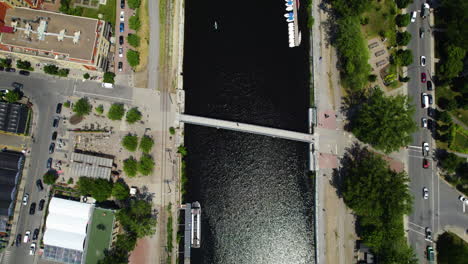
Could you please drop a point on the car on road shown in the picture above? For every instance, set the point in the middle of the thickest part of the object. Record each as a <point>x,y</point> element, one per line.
<point>35,234</point>
<point>423,60</point>
<point>413,16</point>
<point>426,163</point>
<point>32,249</point>
<point>463,199</point>
<point>25,199</point>
<point>51,148</point>
<point>18,239</point>
<point>10,70</point>
<point>122,27</point>
<point>17,85</point>
<point>425,148</point>
<point>120,52</point>
<point>425,10</point>
<point>423,77</point>
<point>25,73</point>
<point>32,209</point>
<point>41,205</point>
<point>58,109</point>
<point>39,185</point>
<point>122,4</point>
<point>121,40</point>
<point>430,99</point>
<point>421,32</point>
<point>122,16</point>
<point>428,234</point>
<point>429,85</point>
<point>49,163</point>
<point>430,253</point>
<point>54,135</point>
<point>26,236</point>
<point>424,122</point>
<point>425,193</point>
<point>56,122</point>
<point>431,112</point>
<point>120,66</point>
<point>424,100</point>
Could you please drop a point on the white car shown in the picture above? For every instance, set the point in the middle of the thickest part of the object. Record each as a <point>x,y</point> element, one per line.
<point>413,16</point>
<point>122,16</point>
<point>463,199</point>
<point>425,193</point>
<point>26,236</point>
<point>25,199</point>
<point>424,122</point>
<point>425,147</point>
<point>423,60</point>
<point>4,91</point>
<point>32,249</point>
<point>120,52</point>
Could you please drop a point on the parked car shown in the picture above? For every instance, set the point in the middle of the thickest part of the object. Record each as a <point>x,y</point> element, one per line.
<point>25,199</point>
<point>32,249</point>
<point>426,163</point>
<point>431,112</point>
<point>423,77</point>
<point>26,236</point>
<point>18,239</point>
<point>58,110</point>
<point>429,85</point>
<point>423,60</point>
<point>41,205</point>
<point>122,16</point>
<point>428,234</point>
<point>10,70</point>
<point>413,16</point>
<point>56,122</point>
<point>25,73</point>
<point>421,32</point>
<point>122,4</point>
<point>425,193</point>
<point>39,185</point>
<point>430,99</point>
<point>424,122</point>
<point>425,148</point>
<point>35,234</point>
<point>54,135</point>
<point>424,100</point>
<point>122,27</point>
<point>430,124</point>
<point>121,40</point>
<point>120,52</point>
<point>32,209</point>
<point>430,253</point>
<point>51,148</point>
<point>49,163</point>
<point>17,85</point>
<point>120,65</point>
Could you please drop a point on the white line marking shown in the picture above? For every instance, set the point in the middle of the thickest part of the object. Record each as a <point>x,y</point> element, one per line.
<point>417,147</point>
<point>417,232</point>
<point>112,97</point>
<point>417,225</point>
<point>419,157</point>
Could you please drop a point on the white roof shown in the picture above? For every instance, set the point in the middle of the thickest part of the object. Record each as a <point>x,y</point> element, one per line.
<point>66,223</point>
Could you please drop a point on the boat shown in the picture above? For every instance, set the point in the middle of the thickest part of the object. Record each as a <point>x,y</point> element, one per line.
<point>196,225</point>
<point>216,25</point>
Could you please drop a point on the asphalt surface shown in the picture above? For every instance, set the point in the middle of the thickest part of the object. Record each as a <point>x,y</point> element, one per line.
<point>443,207</point>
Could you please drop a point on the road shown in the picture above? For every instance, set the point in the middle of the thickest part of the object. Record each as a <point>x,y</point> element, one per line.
<point>45,92</point>
<point>442,208</point>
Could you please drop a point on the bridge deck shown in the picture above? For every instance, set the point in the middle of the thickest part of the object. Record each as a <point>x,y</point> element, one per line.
<point>248,128</point>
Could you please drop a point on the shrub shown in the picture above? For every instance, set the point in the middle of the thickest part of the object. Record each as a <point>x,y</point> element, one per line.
<point>403,38</point>
<point>403,3</point>
<point>70,180</point>
<point>134,23</point>
<point>12,96</point>
<point>50,177</point>
<point>172,130</point>
<point>404,57</point>
<point>402,20</point>
<point>116,112</point>
<point>100,109</point>
<point>182,150</point>
<point>134,4</point>
<point>146,165</point>
<point>130,142</point>
<point>120,190</point>
<point>109,77</point>
<point>25,65</point>
<point>5,62</point>
<point>82,107</point>
<point>133,115</point>
<point>67,104</point>
<point>146,144</point>
<point>86,76</point>
<point>133,40</point>
<point>133,58</point>
<point>372,78</point>
<point>130,167</point>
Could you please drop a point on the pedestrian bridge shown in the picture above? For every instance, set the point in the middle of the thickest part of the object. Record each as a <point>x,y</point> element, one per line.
<point>247,128</point>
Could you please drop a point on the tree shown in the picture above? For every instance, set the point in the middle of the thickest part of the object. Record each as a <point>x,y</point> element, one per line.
<point>452,64</point>
<point>146,144</point>
<point>172,130</point>
<point>5,62</point>
<point>50,177</point>
<point>445,117</point>
<point>450,14</point>
<point>130,142</point>
<point>86,76</point>
<point>450,162</point>
<point>109,77</point>
<point>384,122</point>
<point>114,256</point>
<point>126,242</point>
<point>146,165</point>
<point>130,167</point>
<point>133,58</point>
<point>67,104</point>
<point>133,115</point>
<point>403,38</point>
<point>63,72</point>
<point>100,189</point>
<point>182,150</point>
<point>120,191</point>
<point>116,111</point>
<point>351,7</point>
<point>372,78</point>
<point>82,107</point>
<point>402,20</point>
<point>137,218</point>
<point>404,57</point>
<point>403,3</point>
<point>451,249</point>
<point>51,69</point>
<point>134,23</point>
<point>12,96</point>
<point>25,65</point>
<point>133,40</point>
<point>134,4</point>
<point>100,109</point>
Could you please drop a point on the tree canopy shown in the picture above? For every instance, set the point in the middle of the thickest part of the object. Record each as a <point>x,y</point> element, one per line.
<point>133,58</point>
<point>133,115</point>
<point>134,4</point>
<point>404,57</point>
<point>99,189</point>
<point>451,249</point>
<point>133,40</point>
<point>351,7</point>
<point>12,96</point>
<point>452,63</point>
<point>50,177</point>
<point>109,77</point>
<point>82,107</point>
<point>402,20</point>
<point>137,218</point>
<point>130,167</point>
<point>120,190</point>
<point>130,142</point>
<point>403,3</point>
<point>116,112</point>
<point>384,122</point>
<point>134,22</point>
<point>403,38</point>
<point>146,165</point>
<point>146,144</point>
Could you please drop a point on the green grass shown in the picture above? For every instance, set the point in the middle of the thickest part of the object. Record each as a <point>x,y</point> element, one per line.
<point>446,92</point>
<point>381,19</point>
<point>108,10</point>
<point>99,240</point>
<point>460,140</point>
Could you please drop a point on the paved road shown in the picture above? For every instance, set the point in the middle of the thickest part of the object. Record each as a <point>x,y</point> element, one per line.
<point>442,208</point>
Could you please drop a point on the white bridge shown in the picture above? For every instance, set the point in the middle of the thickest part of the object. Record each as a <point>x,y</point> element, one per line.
<point>247,128</point>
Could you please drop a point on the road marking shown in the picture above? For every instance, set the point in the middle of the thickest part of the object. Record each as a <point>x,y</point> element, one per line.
<point>419,157</point>
<point>416,225</point>
<point>112,97</point>
<point>417,232</point>
<point>416,147</point>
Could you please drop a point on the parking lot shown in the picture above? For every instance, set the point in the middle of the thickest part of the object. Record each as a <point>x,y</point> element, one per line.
<point>126,30</point>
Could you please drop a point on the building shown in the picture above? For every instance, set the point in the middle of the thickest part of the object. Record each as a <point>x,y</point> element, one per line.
<point>54,38</point>
<point>66,229</point>
<point>90,166</point>
<point>11,165</point>
<point>23,3</point>
<point>13,117</point>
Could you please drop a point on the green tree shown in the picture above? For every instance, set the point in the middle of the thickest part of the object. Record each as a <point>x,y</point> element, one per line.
<point>63,72</point>
<point>130,167</point>
<point>452,65</point>
<point>451,249</point>
<point>137,218</point>
<point>86,76</point>
<point>133,115</point>
<point>384,122</point>
<point>403,38</point>
<point>444,116</point>
<point>120,191</point>
<point>146,144</point>
<point>5,62</point>
<point>126,242</point>
<point>182,150</point>
<point>109,77</point>
<point>67,104</point>
<point>82,107</point>
<point>133,40</point>
<point>351,7</point>
<point>25,65</point>
<point>402,20</point>
<point>114,256</point>
<point>404,57</point>
<point>451,15</point>
<point>372,78</point>
<point>50,177</point>
<point>99,189</point>
<point>403,4</point>
<point>134,4</point>
<point>100,109</point>
<point>12,96</point>
<point>146,165</point>
<point>130,142</point>
<point>450,162</point>
<point>133,58</point>
<point>172,130</point>
<point>134,23</point>
<point>116,111</point>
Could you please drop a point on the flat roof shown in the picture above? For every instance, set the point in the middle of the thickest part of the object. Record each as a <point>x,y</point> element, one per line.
<point>83,49</point>
<point>90,166</point>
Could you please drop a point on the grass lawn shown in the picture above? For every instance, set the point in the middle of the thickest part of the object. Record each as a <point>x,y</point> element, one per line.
<point>446,92</point>
<point>108,10</point>
<point>460,140</point>
<point>381,19</point>
<point>144,34</point>
<point>99,237</point>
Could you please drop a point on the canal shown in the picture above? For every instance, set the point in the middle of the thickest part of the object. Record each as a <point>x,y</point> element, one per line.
<point>256,198</point>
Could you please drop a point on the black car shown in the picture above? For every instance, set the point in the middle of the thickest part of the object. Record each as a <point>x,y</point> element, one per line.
<point>35,234</point>
<point>39,185</point>
<point>56,122</point>
<point>10,70</point>
<point>51,148</point>
<point>58,110</point>
<point>25,73</point>
<point>122,4</point>
<point>32,209</point>
<point>120,66</point>
<point>430,99</point>
<point>41,205</point>
<point>2,68</point>
<point>54,135</point>
<point>49,163</point>
<point>18,239</point>
<point>431,112</point>
<point>17,85</point>
<point>121,40</point>
<point>429,85</point>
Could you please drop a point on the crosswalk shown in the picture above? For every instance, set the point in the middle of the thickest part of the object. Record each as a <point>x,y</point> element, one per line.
<point>6,257</point>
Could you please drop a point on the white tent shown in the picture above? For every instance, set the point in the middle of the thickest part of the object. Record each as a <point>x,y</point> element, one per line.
<point>66,223</point>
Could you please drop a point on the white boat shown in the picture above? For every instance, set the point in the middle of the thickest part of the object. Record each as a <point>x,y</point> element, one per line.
<point>216,25</point>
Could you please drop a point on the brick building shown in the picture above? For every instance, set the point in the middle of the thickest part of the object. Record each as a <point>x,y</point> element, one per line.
<point>23,3</point>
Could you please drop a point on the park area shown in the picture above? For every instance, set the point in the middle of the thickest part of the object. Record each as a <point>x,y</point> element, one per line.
<point>99,238</point>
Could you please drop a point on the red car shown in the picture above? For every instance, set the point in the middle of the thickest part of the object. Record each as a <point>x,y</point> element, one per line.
<point>423,77</point>
<point>425,163</point>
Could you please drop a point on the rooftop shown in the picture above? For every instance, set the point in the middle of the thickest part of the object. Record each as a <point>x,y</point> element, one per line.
<point>90,166</point>
<point>51,32</point>
<point>10,170</point>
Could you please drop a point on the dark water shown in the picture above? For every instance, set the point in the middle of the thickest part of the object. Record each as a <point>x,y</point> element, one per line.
<point>255,195</point>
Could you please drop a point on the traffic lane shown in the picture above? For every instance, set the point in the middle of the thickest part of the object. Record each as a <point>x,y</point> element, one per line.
<point>38,84</point>
<point>451,208</point>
